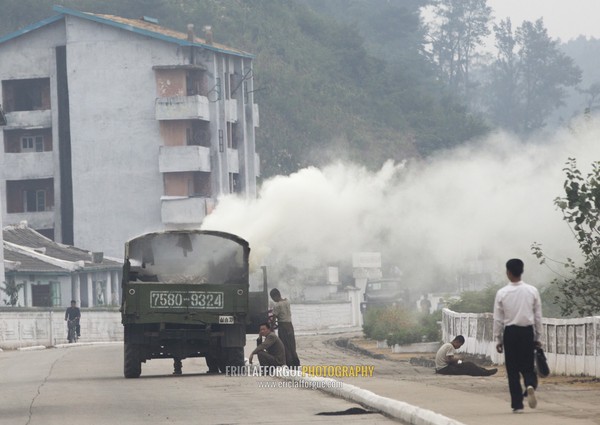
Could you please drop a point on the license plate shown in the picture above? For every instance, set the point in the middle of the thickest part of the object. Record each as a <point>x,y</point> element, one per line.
<point>227,320</point>
<point>190,299</point>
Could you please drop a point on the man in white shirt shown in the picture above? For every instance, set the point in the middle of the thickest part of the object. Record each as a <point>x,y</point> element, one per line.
<point>446,363</point>
<point>518,331</point>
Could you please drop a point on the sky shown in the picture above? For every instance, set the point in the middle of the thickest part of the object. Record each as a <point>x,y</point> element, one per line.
<point>564,19</point>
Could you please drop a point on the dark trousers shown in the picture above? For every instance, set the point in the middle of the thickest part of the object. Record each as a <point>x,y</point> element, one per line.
<point>518,357</point>
<point>285,332</point>
<point>465,368</point>
<point>267,359</point>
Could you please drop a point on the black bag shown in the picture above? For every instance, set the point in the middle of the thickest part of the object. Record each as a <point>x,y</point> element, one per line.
<point>541,364</point>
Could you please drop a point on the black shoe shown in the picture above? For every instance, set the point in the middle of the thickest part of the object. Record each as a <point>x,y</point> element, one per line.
<point>491,372</point>
<point>177,372</point>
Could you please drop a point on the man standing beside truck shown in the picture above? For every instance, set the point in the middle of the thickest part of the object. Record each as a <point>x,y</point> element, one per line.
<point>282,312</point>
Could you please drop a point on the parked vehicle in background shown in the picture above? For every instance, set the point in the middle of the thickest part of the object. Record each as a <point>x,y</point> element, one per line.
<point>186,294</point>
<point>385,292</point>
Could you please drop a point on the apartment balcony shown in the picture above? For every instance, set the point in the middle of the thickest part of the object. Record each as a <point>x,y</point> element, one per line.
<point>28,119</point>
<point>231,110</point>
<point>233,160</point>
<point>28,165</point>
<point>35,220</point>
<point>185,210</point>
<point>257,164</point>
<point>256,115</point>
<point>182,108</point>
<point>173,159</point>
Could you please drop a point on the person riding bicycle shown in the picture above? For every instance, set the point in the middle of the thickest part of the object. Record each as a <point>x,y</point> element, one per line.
<point>73,314</point>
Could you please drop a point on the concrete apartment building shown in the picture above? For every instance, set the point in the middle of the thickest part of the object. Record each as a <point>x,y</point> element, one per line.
<point>113,127</point>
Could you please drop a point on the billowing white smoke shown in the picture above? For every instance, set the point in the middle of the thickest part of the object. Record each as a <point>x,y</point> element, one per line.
<point>494,197</point>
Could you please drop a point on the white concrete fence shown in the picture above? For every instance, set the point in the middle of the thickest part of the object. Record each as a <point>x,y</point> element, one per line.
<point>20,329</point>
<point>26,327</point>
<point>572,346</point>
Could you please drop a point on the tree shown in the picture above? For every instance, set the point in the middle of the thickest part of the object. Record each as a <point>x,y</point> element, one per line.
<point>503,89</point>
<point>11,289</point>
<point>528,78</point>
<point>462,27</point>
<point>580,288</point>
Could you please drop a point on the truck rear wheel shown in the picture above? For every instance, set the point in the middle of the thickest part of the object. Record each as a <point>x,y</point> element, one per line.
<point>132,364</point>
<point>234,356</point>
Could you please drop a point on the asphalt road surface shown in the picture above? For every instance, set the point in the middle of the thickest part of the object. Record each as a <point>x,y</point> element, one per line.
<point>85,385</point>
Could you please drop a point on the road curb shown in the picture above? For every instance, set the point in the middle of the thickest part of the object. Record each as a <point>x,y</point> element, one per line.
<point>393,408</point>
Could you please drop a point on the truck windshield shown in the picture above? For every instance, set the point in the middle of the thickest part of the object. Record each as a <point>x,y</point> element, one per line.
<point>182,257</point>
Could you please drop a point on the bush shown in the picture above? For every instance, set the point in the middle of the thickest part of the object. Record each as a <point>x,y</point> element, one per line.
<point>401,326</point>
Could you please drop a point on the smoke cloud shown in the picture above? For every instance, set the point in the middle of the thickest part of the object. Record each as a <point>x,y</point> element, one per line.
<point>491,199</point>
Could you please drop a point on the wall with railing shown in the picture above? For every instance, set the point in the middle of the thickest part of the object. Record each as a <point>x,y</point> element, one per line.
<point>572,346</point>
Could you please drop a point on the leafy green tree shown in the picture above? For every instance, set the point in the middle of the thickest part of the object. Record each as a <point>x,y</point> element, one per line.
<point>461,27</point>
<point>476,301</point>
<point>528,78</point>
<point>580,206</point>
<point>11,289</point>
<point>401,326</point>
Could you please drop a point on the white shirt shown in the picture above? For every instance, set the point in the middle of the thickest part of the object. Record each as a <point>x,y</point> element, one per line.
<point>283,311</point>
<point>441,357</point>
<point>517,303</point>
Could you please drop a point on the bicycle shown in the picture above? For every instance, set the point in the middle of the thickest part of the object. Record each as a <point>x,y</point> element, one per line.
<point>72,331</point>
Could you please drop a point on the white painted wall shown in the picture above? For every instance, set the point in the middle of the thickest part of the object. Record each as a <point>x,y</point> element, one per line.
<point>307,317</point>
<point>115,138</point>
<point>29,328</point>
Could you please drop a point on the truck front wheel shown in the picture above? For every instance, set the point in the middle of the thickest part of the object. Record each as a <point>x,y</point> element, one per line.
<point>132,364</point>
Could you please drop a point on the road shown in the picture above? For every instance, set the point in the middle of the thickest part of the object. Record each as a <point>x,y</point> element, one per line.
<point>85,385</point>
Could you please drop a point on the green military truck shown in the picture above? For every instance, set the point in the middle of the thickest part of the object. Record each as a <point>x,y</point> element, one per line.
<point>186,293</point>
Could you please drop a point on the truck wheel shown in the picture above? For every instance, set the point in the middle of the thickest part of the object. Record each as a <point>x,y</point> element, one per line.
<point>212,363</point>
<point>132,364</point>
<point>234,356</point>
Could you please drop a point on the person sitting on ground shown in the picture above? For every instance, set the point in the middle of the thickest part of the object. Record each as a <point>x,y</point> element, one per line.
<point>446,363</point>
<point>270,351</point>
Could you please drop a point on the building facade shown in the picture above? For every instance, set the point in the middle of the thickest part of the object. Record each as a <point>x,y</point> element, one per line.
<point>115,127</point>
<point>49,274</point>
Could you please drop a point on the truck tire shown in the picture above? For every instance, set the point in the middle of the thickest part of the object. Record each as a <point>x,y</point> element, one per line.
<point>234,356</point>
<point>132,364</point>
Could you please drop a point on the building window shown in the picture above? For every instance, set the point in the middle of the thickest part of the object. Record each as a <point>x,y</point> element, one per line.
<point>29,195</point>
<point>100,292</point>
<point>234,183</point>
<point>32,144</point>
<point>35,200</point>
<point>55,294</point>
<point>26,95</point>
<point>198,134</point>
